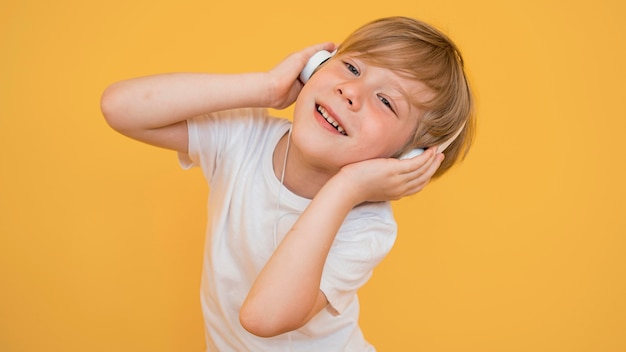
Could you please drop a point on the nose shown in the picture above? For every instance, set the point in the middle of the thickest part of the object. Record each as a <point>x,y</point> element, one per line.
<point>351,94</point>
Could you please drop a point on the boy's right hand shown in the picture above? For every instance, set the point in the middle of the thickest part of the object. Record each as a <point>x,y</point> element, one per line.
<point>284,83</point>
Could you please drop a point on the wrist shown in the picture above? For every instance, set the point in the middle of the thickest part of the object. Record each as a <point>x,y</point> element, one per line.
<point>344,187</point>
<point>259,87</point>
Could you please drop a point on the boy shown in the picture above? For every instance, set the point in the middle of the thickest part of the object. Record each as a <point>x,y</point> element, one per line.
<point>299,213</point>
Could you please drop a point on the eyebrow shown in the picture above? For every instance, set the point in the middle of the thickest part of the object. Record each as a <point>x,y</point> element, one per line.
<point>404,95</point>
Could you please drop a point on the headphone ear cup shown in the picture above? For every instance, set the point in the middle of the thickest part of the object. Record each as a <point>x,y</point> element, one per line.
<point>412,153</point>
<point>314,62</point>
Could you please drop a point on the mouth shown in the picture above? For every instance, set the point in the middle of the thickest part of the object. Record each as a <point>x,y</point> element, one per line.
<point>330,120</point>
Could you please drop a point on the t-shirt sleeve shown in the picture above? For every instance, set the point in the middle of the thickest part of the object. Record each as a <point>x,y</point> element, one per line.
<point>212,135</point>
<point>361,244</point>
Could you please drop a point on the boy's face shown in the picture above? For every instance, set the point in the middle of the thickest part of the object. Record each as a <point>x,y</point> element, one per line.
<point>351,111</point>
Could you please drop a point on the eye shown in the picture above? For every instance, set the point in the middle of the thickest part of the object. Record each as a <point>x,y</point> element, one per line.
<point>352,69</point>
<point>386,102</point>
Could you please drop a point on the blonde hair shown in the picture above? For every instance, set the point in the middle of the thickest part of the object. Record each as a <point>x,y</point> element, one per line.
<point>418,51</point>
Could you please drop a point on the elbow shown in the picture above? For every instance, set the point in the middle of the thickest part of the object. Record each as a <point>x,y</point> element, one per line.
<point>256,323</point>
<point>269,318</point>
<point>112,107</point>
<point>263,324</point>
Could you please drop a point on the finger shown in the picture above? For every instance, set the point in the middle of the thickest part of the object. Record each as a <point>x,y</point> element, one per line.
<point>420,180</point>
<point>430,168</point>
<point>311,50</point>
<point>329,46</point>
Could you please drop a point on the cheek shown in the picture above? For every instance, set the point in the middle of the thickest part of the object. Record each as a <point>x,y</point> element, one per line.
<point>301,108</point>
<point>389,129</point>
<point>380,143</point>
<point>392,140</point>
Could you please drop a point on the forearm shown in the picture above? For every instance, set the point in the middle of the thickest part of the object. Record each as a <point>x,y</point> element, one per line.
<point>154,109</point>
<point>162,100</point>
<point>286,293</point>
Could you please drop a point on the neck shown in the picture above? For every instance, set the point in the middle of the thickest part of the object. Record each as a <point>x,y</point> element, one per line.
<point>300,177</point>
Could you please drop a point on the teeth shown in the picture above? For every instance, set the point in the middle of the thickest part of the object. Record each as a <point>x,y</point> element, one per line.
<point>330,120</point>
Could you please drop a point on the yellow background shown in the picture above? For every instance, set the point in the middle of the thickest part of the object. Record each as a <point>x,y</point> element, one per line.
<point>521,248</point>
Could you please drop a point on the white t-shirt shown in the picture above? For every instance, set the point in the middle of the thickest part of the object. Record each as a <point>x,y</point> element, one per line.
<point>234,149</point>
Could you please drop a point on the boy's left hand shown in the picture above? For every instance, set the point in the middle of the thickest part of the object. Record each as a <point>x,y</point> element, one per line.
<point>387,179</point>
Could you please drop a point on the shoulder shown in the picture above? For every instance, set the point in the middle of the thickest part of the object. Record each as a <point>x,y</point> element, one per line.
<point>234,126</point>
<point>375,213</point>
<point>370,226</point>
<point>232,116</point>
<point>234,119</point>
<point>230,133</point>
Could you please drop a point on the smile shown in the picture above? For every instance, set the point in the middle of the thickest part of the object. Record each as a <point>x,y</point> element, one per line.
<point>330,120</point>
